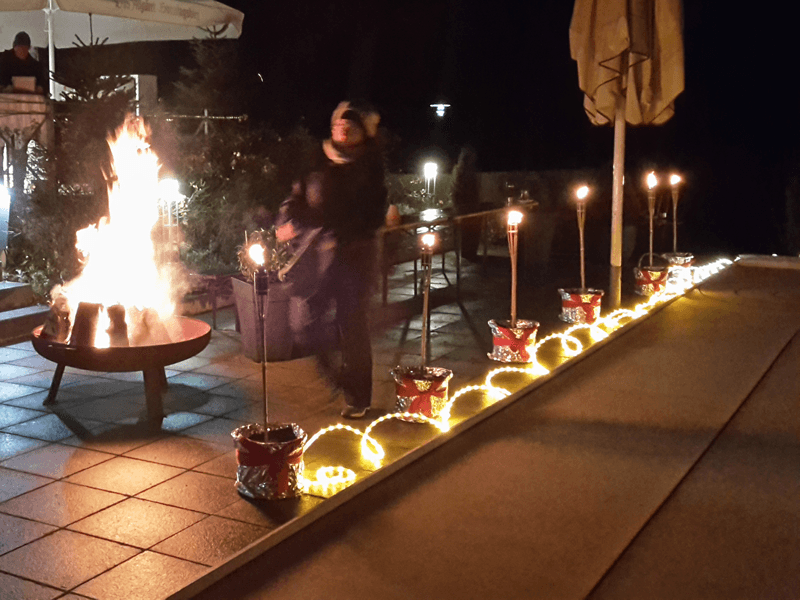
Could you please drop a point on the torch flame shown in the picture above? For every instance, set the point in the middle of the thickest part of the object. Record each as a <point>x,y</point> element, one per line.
<point>514,217</point>
<point>429,240</point>
<point>652,180</point>
<point>257,253</point>
<point>674,179</point>
<point>119,256</point>
<point>582,193</point>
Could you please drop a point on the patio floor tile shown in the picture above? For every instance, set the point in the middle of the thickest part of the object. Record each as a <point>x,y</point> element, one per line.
<point>53,427</point>
<point>211,540</point>
<point>116,438</point>
<point>11,415</point>
<point>16,532</point>
<point>56,460</point>
<point>65,559</point>
<point>16,483</point>
<point>179,451</point>
<point>14,588</point>
<point>137,522</point>
<point>11,445</point>
<point>194,491</point>
<point>9,391</point>
<point>223,466</point>
<point>124,475</point>
<point>59,503</point>
<point>153,576</point>
<point>217,430</point>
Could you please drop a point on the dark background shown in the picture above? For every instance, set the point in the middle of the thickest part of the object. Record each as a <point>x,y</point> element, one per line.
<point>505,68</point>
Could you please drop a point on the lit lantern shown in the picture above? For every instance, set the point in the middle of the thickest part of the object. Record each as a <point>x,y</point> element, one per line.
<point>430,170</point>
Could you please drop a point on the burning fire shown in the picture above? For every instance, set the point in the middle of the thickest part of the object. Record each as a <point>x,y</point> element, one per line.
<point>122,266</point>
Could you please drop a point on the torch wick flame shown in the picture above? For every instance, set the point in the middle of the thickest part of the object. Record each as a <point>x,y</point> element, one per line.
<point>257,254</point>
<point>429,240</point>
<point>675,179</point>
<point>652,181</point>
<point>582,193</point>
<point>514,217</point>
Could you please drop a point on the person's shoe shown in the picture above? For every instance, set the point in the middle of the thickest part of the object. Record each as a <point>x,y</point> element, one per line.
<point>354,412</point>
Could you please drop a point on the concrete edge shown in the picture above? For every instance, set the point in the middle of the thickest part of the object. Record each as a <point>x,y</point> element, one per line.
<point>768,261</point>
<point>275,537</point>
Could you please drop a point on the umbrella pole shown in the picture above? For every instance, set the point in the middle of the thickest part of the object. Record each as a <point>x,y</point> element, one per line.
<point>617,196</point>
<point>51,46</point>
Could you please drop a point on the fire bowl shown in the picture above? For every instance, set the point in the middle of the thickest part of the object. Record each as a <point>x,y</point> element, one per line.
<point>151,359</point>
<point>194,337</point>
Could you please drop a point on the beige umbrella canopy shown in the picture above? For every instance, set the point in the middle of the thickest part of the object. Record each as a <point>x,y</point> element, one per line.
<point>630,68</point>
<point>54,23</point>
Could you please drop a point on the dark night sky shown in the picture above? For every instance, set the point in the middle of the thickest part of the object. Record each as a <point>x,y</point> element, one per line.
<point>505,68</point>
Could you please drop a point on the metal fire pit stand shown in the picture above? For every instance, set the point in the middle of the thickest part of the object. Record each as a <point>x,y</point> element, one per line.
<point>150,360</point>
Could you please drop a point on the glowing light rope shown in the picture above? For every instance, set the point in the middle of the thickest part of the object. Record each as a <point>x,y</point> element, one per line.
<point>331,480</point>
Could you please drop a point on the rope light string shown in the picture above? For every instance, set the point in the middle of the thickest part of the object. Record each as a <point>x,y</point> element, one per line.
<point>330,480</point>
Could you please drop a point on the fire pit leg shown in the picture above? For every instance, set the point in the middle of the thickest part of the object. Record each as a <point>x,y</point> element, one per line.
<point>51,396</point>
<point>155,382</point>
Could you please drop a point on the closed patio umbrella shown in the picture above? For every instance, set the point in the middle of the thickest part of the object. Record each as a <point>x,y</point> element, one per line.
<point>54,23</point>
<point>630,68</point>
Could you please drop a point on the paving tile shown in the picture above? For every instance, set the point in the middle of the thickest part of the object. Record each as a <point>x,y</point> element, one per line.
<point>44,379</point>
<point>14,588</point>
<point>111,409</point>
<point>234,367</point>
<point>194,491</point>
<point>15,483</point>
<point>11,445</point>
<point>9,372</point>
<point>179,451</point>
<point>179,421</point>
<point>11,415</point>
<point>35,401</point>
<point>35,361</point>
<point>269,514</point>
<point>16,532</point>
<point>218,405</point>
<point>53,427</point>
<point>100,387</point>
<point>241,389</point>
<point>8,354</point>
<point>124,475</point>
<point>135,376</point>
<point>59,503</point>
<point>216,430</point>
<point>56,460</point>
<point>197,381</point>
<point>10,391</point>
<point>65,559</point>
<point>191,364</point>
<point>223,466</point>
<point>137,522</point>
<point>211,540</point>
<point>116,438</point>
<point>153,576</point>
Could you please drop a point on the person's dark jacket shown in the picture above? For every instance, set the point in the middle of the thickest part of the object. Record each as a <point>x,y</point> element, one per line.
<point>348,200</point>
<point>12,66</point>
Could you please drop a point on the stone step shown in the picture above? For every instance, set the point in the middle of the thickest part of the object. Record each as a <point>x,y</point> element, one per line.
<point>15,295</point>
<point>16,325</point>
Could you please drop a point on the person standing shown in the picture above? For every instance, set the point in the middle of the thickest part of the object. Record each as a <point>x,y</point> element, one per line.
<point>18,62</point>
<point>342,202</point>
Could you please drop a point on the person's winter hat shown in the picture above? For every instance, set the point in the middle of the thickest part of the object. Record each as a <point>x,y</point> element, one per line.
<point>365,118</point>
<point>22,39</point>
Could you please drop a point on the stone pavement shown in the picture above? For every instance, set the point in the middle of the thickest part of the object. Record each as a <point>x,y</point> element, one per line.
<point>94,503</point>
